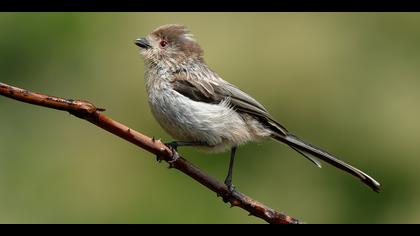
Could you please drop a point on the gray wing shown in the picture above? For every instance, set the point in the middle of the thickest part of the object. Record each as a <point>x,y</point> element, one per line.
<point>217,91</point>
<point>214,92</point>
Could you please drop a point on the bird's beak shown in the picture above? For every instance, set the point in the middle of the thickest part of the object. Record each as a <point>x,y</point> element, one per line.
<point>143,43</point>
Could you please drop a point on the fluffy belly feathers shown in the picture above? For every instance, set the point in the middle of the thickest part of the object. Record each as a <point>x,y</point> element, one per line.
<point>216,124</point>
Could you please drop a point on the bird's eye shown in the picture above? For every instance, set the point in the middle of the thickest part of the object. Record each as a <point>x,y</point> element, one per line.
<point>163,43</point>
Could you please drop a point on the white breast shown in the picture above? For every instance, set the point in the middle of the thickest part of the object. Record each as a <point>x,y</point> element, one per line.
<point>188,120</point>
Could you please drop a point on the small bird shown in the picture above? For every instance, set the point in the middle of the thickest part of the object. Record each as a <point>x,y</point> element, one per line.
<point>198,108</point>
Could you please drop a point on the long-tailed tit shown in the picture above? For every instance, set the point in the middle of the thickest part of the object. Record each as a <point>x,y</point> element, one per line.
<point>198,108</point>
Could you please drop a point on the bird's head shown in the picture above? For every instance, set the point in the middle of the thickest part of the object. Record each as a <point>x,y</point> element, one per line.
<point>169,44</point>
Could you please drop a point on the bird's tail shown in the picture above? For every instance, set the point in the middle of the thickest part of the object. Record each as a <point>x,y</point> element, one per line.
<point>304,148</point>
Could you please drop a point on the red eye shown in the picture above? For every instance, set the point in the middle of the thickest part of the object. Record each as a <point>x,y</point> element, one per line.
<point>163,43</point>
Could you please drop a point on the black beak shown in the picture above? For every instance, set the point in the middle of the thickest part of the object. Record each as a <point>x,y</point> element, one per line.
<point>143,43</point>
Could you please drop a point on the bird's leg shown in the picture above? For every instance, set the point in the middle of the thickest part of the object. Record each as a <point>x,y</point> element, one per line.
<point>228,180</point>
<point>175,144</point>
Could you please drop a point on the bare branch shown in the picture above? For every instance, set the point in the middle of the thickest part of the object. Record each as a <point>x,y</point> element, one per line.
<point>87,111</point>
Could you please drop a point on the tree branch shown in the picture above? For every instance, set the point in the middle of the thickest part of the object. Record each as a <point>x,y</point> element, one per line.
<point>87,111</point>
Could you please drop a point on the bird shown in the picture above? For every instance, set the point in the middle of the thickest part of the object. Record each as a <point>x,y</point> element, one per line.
<point>198,108</point>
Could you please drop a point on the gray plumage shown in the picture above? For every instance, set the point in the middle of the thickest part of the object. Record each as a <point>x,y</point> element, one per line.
<point>192,103</point>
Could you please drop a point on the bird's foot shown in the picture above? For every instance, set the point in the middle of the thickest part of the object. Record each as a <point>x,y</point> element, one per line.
<point>172,145</point>
<point>230,193</point>
<point>175,156</point>
<point>231,188</point>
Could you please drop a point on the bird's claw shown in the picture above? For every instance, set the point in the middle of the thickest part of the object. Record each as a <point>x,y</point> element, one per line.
<point>228,182</point>
<point>175,156</point>
<point>231,188</point>
<point>172,145</point>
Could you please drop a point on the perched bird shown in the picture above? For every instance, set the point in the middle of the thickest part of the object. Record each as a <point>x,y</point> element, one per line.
<point>198,108</point>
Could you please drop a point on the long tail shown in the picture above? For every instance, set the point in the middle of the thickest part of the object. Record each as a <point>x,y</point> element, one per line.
<point>304,148</point>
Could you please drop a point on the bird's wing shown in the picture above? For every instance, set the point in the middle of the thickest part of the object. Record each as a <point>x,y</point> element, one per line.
<point>216,91</point>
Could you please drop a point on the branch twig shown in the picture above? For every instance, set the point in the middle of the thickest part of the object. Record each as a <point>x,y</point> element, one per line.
<point>87,111</point>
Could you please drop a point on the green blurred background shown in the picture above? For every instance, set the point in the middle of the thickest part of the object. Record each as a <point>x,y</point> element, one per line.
<point>347,82</point>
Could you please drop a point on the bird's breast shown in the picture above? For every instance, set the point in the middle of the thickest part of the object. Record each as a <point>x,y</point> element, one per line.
<point>184,119</point>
